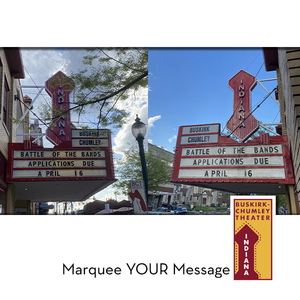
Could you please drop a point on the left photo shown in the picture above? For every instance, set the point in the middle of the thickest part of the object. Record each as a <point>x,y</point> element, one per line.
<point>70,121</point>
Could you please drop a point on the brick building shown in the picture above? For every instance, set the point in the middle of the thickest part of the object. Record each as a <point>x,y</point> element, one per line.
<point>11,108</point>
<point>286,62</point>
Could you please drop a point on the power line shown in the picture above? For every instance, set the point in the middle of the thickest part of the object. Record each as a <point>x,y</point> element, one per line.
<point>34,83</point>
<point>276,117</point>
<point>40,60</point>
<point>39,118</point>
<point>253,61</point>
<point>259,69</point>
<point>248,91</point>
<point>47,105</point>
<point>253,111</point>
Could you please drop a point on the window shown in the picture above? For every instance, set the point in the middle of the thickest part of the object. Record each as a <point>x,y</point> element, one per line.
<point>5,103</point>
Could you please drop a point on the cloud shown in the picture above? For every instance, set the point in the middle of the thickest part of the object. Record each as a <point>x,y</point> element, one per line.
<point>124,138</point>
<point>172,138</point>
<point>152,120</point>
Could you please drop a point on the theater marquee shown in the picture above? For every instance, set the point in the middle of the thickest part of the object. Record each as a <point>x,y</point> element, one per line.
<point>203,157</point>
<point>94,160</point>
<point>79,165</point>
<point>227,165</point>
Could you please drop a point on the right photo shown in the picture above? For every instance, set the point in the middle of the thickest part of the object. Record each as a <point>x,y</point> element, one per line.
<point>227,122</point>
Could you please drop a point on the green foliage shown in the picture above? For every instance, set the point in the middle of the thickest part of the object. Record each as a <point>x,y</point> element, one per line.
<point>111,75</point>
<point>204,208</point>
<point>129,168</point>
<point>280,201</point>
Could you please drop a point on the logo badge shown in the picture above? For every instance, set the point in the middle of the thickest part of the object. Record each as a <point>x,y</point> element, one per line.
<point>253,237</point>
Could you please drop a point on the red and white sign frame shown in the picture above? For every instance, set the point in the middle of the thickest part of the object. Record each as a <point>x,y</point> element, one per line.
<point>198,134</point>
<point>66,159</point>
<point>242,123</point>
<point>204,173</point>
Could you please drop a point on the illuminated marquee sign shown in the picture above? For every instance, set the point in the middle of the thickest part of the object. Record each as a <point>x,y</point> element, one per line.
<point>52,164</point>
<point>264,159</point>
<point>203,157</point>
<point>90,157</point>
<point>242,124</point>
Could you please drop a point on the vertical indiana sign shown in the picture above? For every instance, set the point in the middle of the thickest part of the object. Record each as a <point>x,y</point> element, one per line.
<point>242,123</point>
<point>59,87</point>
<point>253,237</point>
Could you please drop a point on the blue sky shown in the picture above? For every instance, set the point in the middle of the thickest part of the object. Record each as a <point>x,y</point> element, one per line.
<point>189,86</point>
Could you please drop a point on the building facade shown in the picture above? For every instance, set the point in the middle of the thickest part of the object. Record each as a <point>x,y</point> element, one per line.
<point>164,193</point>
<point>12,107</point>
<point>286,63</point>
<point>181,194</point>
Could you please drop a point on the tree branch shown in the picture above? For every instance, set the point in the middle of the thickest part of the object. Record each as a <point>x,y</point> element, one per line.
<point>124,88</point>
<point>117,61</point>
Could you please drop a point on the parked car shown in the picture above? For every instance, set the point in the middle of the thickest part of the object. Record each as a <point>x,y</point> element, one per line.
<point>170,206</point>
<point>180,211</point>
<point>161,211</point>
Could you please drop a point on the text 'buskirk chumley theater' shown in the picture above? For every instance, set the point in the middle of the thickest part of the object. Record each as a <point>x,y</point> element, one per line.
<point>79,165</point>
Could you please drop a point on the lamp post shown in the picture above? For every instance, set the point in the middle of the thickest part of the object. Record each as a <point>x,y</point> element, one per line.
<point>139,131</point>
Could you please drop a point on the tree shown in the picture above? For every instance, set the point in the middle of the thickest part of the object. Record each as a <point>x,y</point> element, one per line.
<point>129,168</point>
<point>280,201</point>
<point>111,75</point>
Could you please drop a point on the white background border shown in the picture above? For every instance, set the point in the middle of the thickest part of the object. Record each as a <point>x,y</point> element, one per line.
<point>33,248</point>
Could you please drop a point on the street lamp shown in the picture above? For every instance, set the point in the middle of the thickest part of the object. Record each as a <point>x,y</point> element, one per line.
<point>139,131</point>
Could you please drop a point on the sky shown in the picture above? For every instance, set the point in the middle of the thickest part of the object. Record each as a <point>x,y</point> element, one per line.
<point>189,86</point>
<point>42,63</point>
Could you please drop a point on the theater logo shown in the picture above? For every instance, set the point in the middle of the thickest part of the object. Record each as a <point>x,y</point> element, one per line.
<point>253,237</point>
